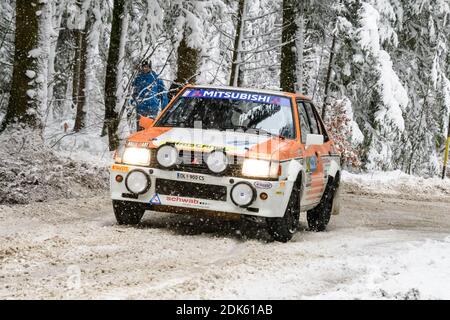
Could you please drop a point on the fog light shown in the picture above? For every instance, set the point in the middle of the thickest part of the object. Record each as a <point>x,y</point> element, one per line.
<point>167,156</point>
<point>263,196</point>
<point>243,194</point>
<point>137,182</point>
<point>119,178</point>
<point>217,161</point>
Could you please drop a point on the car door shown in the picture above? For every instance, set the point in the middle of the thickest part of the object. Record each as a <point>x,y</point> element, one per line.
<point>312,161</point>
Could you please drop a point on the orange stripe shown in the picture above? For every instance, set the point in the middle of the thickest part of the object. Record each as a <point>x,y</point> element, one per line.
<point>317,184</point>
<point>315,192</point>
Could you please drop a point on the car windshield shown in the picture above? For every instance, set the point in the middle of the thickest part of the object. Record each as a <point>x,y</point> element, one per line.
<point>231,110</point>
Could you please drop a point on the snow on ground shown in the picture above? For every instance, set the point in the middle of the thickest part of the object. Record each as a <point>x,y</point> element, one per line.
<point>396,184</point>
<point>377,248</point>
<point>85,146</point>
<point>397,249</point>
<point>32,171</point>
<point>391,241</point>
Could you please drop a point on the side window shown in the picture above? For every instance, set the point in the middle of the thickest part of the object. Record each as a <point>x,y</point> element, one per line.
<point>312,118</point>
<point>304,122</point>
<point>321,125</point>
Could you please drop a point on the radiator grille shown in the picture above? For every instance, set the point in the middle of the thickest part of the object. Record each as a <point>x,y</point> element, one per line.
<point>191,190</point>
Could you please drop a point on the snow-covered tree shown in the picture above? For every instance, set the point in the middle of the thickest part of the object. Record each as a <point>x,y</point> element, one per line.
<point>28,90</point>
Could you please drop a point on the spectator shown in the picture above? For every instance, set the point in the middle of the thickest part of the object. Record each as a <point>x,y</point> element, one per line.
<point>149,94</point>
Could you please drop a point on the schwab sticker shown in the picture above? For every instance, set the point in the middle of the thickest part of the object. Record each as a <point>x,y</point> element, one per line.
<point>237,95</point>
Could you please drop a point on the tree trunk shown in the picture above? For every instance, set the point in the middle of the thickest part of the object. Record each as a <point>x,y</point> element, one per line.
<point>328,78</point>
<point>76,66</point>
<point>447,142</point>
<point>111,115</point>
<point>299,45</point>
<point>62,74</point>
<point>81,87</point>
<point>187,63</point>
<point>22,107</point>
<point>235,66</point>
<point>288,57</point>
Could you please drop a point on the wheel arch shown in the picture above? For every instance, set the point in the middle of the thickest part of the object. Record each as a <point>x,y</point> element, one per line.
<point>297,174</point>
<point>334,169</point>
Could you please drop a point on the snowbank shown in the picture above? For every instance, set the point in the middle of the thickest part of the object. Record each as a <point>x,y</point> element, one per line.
<point>31,171</point>
<point>398,184</point>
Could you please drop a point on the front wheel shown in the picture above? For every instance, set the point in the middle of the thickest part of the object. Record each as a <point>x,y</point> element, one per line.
<point>127,212</point>
<point>282,229</point>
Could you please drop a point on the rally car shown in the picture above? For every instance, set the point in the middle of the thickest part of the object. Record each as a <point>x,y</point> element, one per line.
<point>226,150</point>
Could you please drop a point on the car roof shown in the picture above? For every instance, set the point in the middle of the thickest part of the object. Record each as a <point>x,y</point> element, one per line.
<point>266,91</point>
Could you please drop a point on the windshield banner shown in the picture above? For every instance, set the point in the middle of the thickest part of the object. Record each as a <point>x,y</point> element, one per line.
<point>237,95</point>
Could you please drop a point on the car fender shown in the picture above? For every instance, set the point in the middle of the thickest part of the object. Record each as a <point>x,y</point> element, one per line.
<point>294,169</point>
<point>334,168</point>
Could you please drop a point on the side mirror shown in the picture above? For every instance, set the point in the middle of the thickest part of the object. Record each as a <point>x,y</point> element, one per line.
<point>312,139</point>
<point>145,122</point>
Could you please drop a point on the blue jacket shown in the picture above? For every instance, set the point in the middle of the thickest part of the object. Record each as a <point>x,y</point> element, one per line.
<point>149,94</point>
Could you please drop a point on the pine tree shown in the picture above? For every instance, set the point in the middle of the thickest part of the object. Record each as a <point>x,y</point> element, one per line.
<point>111,115</point>
<point>80,65</point>
<point>288,77</point>
<point>23,104</point>
<point>236,74</point>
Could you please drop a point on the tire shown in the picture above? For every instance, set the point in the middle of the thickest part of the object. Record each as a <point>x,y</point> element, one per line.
<point>319,217</point>
<point>282,229</point>
<point>248,227</point>
<point>128,213</point>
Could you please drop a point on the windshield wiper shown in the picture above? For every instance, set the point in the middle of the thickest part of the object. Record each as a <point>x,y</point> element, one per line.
<point>256,129</point>
<point>268,133</point>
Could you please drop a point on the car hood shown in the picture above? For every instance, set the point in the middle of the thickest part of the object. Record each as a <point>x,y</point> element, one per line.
<point>202,140</point>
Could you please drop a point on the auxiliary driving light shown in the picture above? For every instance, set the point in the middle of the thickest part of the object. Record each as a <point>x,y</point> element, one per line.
<point>137,182</point>
<point>167,156</point>
<point>217,161</point>
<point>243,194</point>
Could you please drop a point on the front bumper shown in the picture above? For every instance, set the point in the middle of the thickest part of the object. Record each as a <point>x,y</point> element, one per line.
<point>274,206</point>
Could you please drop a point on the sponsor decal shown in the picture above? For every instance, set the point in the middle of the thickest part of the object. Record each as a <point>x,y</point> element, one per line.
<point>282,184</point>
<point>279,193</point>
<point>263,184</point>
<point>238,95</point>
<point>183,200</point>
<point>137,144</point>
<point>188,146</point>
<point>119,168</point>
<point>155,199</point>
<point>190,176</point>
<point>311,164</point>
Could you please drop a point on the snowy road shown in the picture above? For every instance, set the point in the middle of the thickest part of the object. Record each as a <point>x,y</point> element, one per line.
<point>391,248</point>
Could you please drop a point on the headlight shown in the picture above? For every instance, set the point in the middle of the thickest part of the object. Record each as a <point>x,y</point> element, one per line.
<point>260,168</point>
<point>243,194</point>
<point>137,182</point>
<point>217,161</point>
<point>136,156</point>
<point>167,156</point>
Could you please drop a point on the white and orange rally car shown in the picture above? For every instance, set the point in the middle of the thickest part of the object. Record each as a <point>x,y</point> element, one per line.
<point>243,152</point>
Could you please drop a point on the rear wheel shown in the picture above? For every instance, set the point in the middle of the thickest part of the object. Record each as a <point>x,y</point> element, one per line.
<point>127,212</point>
<point>282,229</point>
<point>319,217</point>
